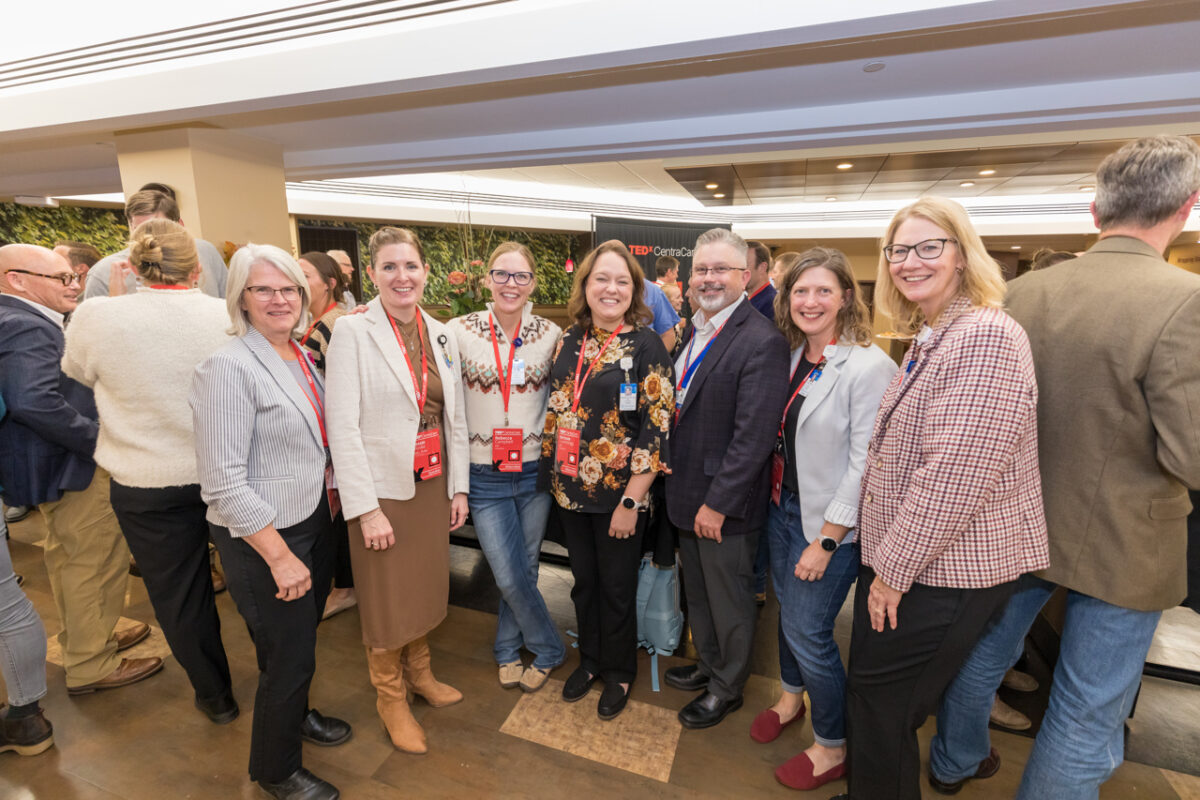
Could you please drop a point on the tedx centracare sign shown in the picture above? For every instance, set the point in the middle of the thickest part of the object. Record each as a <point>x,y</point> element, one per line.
<point>648,241</point>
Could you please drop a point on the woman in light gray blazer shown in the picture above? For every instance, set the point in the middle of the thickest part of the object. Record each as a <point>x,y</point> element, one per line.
<point>838,380</point>
<point>258,407</point>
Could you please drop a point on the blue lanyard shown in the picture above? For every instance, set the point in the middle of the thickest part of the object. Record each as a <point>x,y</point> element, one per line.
<point>689,367</point>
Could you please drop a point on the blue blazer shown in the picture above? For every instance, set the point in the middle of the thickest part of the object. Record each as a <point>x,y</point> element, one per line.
<point>48,438</point>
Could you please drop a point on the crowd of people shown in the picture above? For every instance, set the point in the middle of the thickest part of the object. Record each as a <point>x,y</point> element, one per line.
<point>1014,450</point>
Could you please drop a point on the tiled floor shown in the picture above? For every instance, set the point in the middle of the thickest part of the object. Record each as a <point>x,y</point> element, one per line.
<point>147,741</point>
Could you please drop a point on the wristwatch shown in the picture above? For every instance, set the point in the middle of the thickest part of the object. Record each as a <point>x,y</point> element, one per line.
<point>631,504</point>
<point>829,544</point>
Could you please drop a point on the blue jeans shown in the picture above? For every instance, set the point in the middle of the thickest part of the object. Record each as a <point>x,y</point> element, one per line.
<point>510,521</point>
<point>22,637</point>
<point>808,656</point>
<point>1081,741</point>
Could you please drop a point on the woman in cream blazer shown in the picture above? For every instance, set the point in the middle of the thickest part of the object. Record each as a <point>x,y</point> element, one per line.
<point>398,433</point>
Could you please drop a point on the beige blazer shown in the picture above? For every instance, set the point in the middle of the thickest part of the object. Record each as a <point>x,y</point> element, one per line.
<point>371,407</point>
<point>1115,336</point>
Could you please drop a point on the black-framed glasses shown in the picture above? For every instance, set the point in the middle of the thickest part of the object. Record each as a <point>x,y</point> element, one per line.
<point>65,278</point>
<point>519,278</point>
<point>720,272</point>
<point>265,294</point>
<point>926,250</point>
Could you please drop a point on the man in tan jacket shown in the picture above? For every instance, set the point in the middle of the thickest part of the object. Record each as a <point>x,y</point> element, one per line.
<point>1115,336</point>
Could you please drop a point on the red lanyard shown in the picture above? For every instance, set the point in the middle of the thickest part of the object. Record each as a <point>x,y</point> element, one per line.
<point>176,286</point>
<point>578,386</point>
<point>422,391</point>
<point>759,290</point>
<point>816,370</point>
<point>505,377</point>
<point>315,399</point>
<point>308,332</point>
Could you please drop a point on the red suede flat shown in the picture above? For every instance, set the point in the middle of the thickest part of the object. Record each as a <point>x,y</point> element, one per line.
<point>767,727</point>
<point>797,773</point>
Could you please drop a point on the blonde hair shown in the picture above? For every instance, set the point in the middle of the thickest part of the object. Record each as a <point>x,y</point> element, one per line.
<point>147,202</point>
<point>853,319</point>
<point>513,247</point>
<point>239,274</point>
<point>391,235</point>
<point>163,251</point>
<point>980,279</point>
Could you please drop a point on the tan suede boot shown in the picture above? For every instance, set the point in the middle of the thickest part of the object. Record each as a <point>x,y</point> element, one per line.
<point>387,676</point>
<point>419,677</point>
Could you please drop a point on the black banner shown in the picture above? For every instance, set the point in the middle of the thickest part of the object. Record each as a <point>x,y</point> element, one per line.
<point>650,240</point>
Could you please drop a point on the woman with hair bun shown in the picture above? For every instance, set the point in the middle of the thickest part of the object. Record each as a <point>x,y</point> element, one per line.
<point>137,352</point>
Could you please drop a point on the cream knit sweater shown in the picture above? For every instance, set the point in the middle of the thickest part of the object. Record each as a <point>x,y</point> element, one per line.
<point>138,352</point>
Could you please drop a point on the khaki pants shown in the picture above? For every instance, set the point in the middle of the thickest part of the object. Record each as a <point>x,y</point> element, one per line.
<point>88,565</point>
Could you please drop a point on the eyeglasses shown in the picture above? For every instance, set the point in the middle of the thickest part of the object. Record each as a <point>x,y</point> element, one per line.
<point>519,278</point>
<point>265,294</point>
<point>720,272</point>
<point>926,250</point>
<point>65,278</point>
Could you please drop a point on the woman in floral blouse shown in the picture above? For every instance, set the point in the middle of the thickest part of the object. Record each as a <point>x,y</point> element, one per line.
<point>604,442</point>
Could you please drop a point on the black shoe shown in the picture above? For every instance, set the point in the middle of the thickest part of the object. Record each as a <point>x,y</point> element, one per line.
<point>987,768</point>
<point>324,731</point>
<point>578,685</point>
<point>26,736</point>
<point>707,710</point>
<point>221,710</point>
<point>688,679</point>
<point>301,785</point>
<point>612,701</point>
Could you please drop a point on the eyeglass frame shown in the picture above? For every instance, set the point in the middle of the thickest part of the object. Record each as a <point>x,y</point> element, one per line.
<point>912,248</point>
<point>529,277</point>
<point>282,292</point>
<point>61,277</point>
<point>720,272</point>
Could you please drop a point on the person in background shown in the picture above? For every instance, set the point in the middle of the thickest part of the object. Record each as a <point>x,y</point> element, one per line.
<point>347,266</point>
<point>143,205</point>
<point>783,262</point>
<point>81,256</point>
<point>1048,258</point>
<point>663,314</point>
<point>759,289</point>
<point>951,504</point>
<point>507,352</point>
<point>258,408</point>
<point>666,272</point>
<point>398,429</point>
<point>675,296</point>
<point>24,729</point>
<point>137,353</point>
<point>603,443</point>
<point>837,380</point>
<point>46,446</point>
<point>1119,450</point>
<point>731,378</point>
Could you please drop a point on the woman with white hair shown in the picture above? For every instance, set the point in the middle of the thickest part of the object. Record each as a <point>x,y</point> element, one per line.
<point>259,410</point>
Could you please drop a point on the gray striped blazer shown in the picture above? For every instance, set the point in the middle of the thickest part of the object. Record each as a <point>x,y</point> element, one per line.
<point>258,442</point>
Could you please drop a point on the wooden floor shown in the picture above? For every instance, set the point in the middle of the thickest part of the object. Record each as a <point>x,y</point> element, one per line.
<point>147,741</point>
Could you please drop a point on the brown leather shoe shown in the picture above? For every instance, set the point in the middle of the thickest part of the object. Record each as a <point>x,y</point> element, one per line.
<point>131,636</point>
<point>987,768</point>
<point>131,670</point>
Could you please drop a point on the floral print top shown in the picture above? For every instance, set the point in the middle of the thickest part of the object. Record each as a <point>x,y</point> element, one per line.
<point>614,444</point>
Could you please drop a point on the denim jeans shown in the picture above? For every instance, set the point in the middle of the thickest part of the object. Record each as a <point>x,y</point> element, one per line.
<point>1081,741</point>
<point>510,516</point>
<point>22,637</point>
<point>808,656</point>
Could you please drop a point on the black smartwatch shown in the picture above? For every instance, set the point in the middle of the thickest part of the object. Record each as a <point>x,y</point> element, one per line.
<point>828,544</point>
<point>630,503</point>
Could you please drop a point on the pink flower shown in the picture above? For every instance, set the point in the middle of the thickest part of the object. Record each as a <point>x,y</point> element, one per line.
<point>457,278</point>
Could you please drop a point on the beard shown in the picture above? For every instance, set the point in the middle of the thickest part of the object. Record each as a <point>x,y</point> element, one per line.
<point>711,303</point>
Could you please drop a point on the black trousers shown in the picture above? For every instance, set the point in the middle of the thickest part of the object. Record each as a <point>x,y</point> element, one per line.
<point>168,536</point>
<point>285,637</point>
<point>605,593</point>
<point>897,679</point>
<point>718,582</point>
<point>343,577</point>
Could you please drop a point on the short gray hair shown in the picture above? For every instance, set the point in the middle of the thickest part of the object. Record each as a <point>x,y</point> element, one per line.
<point>723,236</point>
<point>1146,181</point>
<point>239,273</point>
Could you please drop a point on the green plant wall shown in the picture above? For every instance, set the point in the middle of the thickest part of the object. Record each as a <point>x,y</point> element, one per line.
<point>444,249</point>
<point>102,227</point>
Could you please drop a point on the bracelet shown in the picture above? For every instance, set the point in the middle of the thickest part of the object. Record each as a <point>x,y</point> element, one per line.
<point>370,515</point>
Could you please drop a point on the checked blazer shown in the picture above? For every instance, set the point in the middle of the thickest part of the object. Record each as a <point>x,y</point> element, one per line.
<point>725,431</point>
<point>951,495</point>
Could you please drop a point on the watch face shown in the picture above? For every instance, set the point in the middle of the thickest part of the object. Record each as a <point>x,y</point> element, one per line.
<point>628,502</point>
<point>829,544</point>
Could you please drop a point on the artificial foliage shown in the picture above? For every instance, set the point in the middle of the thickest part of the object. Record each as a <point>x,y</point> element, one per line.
<point>102,227</point>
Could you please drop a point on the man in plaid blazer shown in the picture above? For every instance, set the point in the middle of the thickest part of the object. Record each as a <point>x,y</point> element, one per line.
<point>1119,444</point>
<point>731,378</point>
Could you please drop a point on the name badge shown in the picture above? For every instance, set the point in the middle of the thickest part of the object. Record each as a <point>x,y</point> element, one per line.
<point>628,397</point>
<point>331,491</point>
<point>518,372</point>
<point>427,458</point>
<point>807,388</point>
<point>506,449</point>
<point>680,393</point>
<point>777,466</point>
<point>566,452</point>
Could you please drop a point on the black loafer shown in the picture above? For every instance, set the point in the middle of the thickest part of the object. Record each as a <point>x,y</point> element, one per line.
<point>301,785</point>
<point>987,768</point>
<point>687,679</point>
<point>612,701</point>
<point>578,685</point>
<point>221,710</point>
<point>324,731</point>
<point>707,710</point>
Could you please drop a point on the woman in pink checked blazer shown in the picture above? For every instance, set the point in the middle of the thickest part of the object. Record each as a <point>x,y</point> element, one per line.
<point>951,504</point>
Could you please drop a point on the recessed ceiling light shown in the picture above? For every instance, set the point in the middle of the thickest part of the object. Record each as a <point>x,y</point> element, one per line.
<point>1015,247</point>
<point>845,165</point>
<point>1087,188</point>
<point>719,195</point>
<point>873,66</point>
<point>710,186</point>
<point>987,172</point>
<point>967,184</point>
<point>830,199</point>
